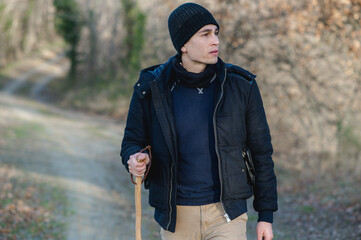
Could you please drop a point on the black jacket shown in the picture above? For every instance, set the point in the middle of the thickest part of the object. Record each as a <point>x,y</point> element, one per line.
<point>239,120</point>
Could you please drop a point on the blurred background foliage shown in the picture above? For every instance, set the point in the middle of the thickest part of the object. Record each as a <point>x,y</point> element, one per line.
<point>306,55</point>
<point>68,24</point>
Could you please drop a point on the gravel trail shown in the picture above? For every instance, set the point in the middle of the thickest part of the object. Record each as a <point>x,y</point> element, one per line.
<point>81,154</point>
<point>75,151</point>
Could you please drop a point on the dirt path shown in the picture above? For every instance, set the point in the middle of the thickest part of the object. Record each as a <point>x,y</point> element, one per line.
<point>80,153</point>
<point>36,72</point>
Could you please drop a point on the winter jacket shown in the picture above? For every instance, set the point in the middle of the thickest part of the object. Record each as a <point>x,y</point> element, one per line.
<point>239,120</point>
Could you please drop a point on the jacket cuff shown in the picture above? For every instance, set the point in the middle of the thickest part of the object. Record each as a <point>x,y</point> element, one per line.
<point>265,216</point>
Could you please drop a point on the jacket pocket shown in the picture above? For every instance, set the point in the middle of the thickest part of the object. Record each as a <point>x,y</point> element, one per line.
<point>158,188</point>
<point>231,130</point>
<point>236,174</point>
<point>157,198</point>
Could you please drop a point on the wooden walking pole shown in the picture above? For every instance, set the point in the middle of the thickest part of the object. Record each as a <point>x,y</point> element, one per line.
<point>138,207</point>
<point>138,196</point>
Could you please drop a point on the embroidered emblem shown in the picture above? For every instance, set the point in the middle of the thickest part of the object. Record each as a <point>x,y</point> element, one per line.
<point>200,90</point>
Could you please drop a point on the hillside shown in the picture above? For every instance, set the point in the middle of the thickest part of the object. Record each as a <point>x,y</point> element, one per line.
<point>307,58</point>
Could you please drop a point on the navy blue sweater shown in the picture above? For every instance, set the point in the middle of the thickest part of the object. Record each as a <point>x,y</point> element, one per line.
<point>197,173</point>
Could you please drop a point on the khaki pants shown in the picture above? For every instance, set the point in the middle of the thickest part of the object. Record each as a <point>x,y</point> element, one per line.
<point>206,222</point>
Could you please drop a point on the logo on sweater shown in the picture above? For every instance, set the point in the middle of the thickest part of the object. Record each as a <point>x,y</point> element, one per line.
<point>200,90</point>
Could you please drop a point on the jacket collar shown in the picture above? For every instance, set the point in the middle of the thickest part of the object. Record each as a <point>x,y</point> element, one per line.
<point>163,74</point>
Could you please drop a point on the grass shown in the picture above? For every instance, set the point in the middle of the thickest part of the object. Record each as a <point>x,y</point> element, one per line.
<point>30,208</point>
<point>307,209</point>
<point>23,131</point>
<point>3,79</point>
<point>101,94</point>
<point>48,112</point>
<point>326,199</point>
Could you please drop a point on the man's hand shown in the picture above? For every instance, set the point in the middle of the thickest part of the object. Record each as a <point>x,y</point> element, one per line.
<point>264,231</point>
<point>137,164</point>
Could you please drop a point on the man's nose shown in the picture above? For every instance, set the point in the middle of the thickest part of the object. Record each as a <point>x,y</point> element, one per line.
<point>215,40</point>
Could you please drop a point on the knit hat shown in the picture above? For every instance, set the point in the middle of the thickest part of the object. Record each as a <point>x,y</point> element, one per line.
<point>185,21</point>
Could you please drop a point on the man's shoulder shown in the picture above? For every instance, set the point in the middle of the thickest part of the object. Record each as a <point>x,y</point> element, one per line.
<point>147,75</point>
<point>240,73</point>
<point>153,72</point>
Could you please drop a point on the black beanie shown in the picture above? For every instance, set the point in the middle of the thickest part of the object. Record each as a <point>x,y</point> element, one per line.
<point>185,21</point>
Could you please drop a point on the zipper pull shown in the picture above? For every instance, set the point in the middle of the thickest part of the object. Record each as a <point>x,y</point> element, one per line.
<point>227,218</point>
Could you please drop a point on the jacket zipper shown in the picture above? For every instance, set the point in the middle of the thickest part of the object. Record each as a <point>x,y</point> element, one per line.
<point>170,197</point>
<point>216,145</point>
<point>171,186</point>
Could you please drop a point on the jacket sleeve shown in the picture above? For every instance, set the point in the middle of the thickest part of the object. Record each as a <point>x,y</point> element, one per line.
<point>259,141</point>
<point>135,133</point>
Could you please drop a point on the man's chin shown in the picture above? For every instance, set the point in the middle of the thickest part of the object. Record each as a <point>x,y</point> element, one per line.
<point>213,60</point>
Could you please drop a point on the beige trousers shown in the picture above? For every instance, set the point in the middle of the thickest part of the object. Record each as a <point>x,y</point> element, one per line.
<point>206,222</point>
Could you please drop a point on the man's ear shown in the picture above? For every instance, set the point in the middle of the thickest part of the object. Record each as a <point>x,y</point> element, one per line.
<point>183,49</point>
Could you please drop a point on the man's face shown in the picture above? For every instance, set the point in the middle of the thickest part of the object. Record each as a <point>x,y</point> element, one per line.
<point>202,48</point>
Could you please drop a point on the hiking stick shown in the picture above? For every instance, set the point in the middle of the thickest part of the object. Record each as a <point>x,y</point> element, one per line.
<point>138,206</point>
<point>138,195</point>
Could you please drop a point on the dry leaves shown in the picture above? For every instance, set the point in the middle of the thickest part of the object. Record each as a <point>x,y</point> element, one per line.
<point>21,208</point>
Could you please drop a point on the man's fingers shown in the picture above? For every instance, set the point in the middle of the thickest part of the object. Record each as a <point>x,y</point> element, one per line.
<point>136,171</point>
<point>260,235</point>
<point>264,236</point>
<point>264,231</point>
<point>137,164</point>
<point>142,157</point>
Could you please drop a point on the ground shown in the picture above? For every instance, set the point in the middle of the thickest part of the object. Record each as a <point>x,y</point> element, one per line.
<point>76,152</point>
<point>79,154</point>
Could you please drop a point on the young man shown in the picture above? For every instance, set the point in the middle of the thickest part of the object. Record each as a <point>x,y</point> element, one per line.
<point>197,113</point>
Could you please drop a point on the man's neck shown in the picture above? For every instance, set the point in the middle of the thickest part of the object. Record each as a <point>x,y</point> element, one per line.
<point>192,66</point>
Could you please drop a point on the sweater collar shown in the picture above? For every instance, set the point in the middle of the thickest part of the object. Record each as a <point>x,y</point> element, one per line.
<point>193,80</point>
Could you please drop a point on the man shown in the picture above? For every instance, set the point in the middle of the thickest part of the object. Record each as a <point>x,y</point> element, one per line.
<point>197,113</point>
